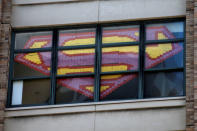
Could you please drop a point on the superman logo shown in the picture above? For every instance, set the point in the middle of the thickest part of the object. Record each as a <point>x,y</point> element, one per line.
<point>113,58</point>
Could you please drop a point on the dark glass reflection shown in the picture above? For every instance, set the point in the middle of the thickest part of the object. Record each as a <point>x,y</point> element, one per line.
<point>119,34</point>
<point>76,61</point>
<point>120,58</point>
<point>33,40</point>
<point>32,64</point>
<point>31,92</point>
<point>164,56</point>
<point>163,84</point>
<point>75,90</point>
<point>76,37</point>
<point>117,87</point>
<point>165,31</point>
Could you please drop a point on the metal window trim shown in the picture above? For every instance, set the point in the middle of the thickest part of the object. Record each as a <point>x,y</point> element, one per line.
<point>98,54</point>
<point>32,50</point>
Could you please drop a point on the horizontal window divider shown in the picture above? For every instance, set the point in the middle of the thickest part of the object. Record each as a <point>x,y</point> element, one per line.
<point>32,50</point>
<point>29,105</point>
<point>167,20</point>
<point>31,78</point>
<point>119,72</point>
<point>125,23</point>
<point>71,27</point>
<point>166,70</point>
<point>75,75</point>
<point>34,30</point>
<point>120,44</point>
<point>76,47</point>
<point>52,28</point>
<point>164,41</point>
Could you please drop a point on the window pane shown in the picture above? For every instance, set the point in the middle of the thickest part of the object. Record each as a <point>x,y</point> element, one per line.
<point>164,55</point>
<point>165,31</point>
<point>77,37</point>
<point>163,84</point>
<point>33,40</point>
<point>120,86</point>
<point>76,61</point>
<point>32,64</point>
<point>31,92</point>
<point>120,58</point>
<point>120,34</point>
<point>75,90</point>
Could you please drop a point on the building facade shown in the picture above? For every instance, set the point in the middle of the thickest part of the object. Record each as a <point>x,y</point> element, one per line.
<point>146,111</point>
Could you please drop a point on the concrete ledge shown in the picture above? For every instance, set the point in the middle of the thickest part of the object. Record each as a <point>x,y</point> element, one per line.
<point>95,107</point>
<point>136,9</point>
<point>66,12</point>
<point>142,105</point>
<point>54,14</point>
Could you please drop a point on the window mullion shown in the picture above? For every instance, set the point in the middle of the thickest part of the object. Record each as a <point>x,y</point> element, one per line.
<point>184,59</point>
<point>98,57</point>
<point>32,50</point>
<point>141,61</point>
<point>176,40</point>
<point>53,66</point>
<point>9,97</point>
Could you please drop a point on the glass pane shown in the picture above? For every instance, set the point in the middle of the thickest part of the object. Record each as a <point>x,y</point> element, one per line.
<point>75,90</point>
<point>165,31</point>
<point>77,37</point>
<point>164,55</point>
<point>120,34</point>
<point>120,86</point>
<point>31,92</point>
<point>120,58</point>
<point>33,40</point>
<point>76,61</point>
<point>163,84</point>
<point>32,64</point>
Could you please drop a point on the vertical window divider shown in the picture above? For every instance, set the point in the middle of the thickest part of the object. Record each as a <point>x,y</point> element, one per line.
<point>53,66</point>
<point>98,59</point>
<point>141,61</point>
<point>9,94</point>
<point>184,59</point>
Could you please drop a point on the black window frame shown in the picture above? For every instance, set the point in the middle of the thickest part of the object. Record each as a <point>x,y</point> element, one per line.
<point>98,55</point>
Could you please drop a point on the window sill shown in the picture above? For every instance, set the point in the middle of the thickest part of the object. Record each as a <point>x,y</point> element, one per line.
<point>96,107</point>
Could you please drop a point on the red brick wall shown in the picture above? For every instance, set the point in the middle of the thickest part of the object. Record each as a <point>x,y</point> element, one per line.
<point>191,65</point>
<point>5,13</point>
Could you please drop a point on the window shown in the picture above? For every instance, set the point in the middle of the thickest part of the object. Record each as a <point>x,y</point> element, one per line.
<point>118,61</point>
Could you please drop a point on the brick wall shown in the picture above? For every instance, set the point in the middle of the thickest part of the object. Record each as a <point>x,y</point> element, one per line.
<point>191,65</point>
<point>5,13</point>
